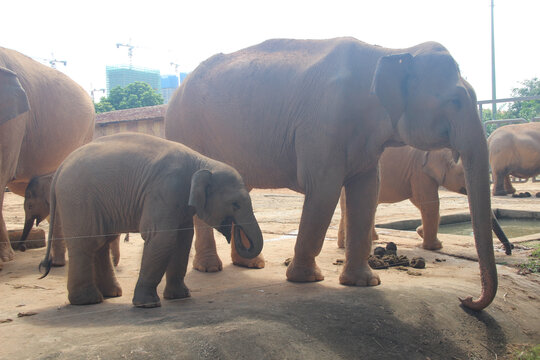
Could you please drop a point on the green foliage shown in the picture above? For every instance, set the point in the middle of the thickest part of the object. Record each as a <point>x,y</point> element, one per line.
<point>526,109</point>
<point>533,265</point>
<point>522,109</point>
<point>137,94</point>
<point>529,354</point>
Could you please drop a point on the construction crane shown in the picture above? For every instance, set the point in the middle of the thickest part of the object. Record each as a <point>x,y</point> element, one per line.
<point>130,52</point>
<point>54,61</point>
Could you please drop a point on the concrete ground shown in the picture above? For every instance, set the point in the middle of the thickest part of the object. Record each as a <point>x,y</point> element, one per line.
<point>243,313</point>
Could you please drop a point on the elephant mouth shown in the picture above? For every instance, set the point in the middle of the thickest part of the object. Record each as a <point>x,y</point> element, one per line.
<point>226,228</point>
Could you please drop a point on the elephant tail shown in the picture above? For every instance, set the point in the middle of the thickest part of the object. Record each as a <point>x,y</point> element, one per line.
<point>46,263</point>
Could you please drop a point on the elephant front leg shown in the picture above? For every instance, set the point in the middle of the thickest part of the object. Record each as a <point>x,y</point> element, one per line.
<point>176,270</point>
<point>256,263</point>
<point>206,258</point>
<point>361,203</point>
<point>319,205</point>
<point>429,209</point>
<point>158,248</point>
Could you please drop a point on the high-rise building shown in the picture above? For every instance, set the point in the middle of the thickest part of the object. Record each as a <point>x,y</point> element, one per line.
<point>123,75</point>
<point>169,83</point>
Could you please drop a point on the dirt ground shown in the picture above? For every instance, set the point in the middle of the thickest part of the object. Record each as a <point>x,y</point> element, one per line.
<point>256,314</point>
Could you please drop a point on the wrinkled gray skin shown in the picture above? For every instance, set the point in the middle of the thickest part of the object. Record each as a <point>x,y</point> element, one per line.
<point>409,173</point>
<point>315,115</point>
<point>139,183</point>
<point>36,209</point>
<point>44,115</point>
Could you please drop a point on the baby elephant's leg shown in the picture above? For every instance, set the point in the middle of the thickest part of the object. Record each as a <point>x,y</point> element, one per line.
<point>176,270</point>
<point>82,289</point>
<point>105,277</point>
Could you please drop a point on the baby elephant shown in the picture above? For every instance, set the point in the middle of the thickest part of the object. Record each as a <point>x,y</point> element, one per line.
<point>139,183</point>
<point>37,208</point>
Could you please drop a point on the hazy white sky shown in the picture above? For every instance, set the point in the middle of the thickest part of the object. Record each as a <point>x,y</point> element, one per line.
<point>187,32</point>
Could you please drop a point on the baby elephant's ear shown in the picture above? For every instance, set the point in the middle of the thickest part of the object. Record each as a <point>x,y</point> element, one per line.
<point>197,195</point>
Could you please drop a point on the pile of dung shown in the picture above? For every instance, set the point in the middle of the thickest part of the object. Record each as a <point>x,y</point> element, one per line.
<point>383,258</point>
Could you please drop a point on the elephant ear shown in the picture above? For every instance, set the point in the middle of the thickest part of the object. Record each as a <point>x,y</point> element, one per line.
<point>433,167</point>
<point>198,192</point>
<point>390,83</point>
<point>13,100</point>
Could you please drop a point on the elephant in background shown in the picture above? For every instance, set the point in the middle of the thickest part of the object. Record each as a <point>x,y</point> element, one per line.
<point>132,182</point>
<point>409,173</point>
<point>44,116</point>
<point>37,208</point>
<point>315,116</point>
<point>514,150</point>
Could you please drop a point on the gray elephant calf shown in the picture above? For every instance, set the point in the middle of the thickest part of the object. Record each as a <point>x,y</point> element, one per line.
<point>140,183</point>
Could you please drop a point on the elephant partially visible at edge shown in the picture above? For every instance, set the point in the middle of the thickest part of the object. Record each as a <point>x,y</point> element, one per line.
<point>409,173</point>
<point>44,116</point>
<point>314,116</point>
<point>513,150</point>
<point>132,182</point>
<point>37,209</point>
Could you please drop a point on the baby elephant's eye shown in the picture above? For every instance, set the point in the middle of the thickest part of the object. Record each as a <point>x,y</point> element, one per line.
<point>236,206</point>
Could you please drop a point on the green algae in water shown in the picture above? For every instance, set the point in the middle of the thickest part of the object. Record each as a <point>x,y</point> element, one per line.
<point>511,227</point>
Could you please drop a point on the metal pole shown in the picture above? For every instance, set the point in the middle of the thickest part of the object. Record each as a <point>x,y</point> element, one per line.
<point>493,84</point>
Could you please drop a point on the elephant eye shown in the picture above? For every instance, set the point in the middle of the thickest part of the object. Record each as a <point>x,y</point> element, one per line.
<point>456,102</point>
<point>236,206</point>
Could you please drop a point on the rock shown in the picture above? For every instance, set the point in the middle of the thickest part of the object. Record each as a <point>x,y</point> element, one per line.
<point>391,248</point>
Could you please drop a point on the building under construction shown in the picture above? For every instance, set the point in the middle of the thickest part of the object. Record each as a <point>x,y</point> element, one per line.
<point>123,75</point>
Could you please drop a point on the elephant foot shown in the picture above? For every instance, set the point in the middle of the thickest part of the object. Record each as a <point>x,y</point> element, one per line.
<point>340,242</point>
<point>58,261</point>
<point>111,290</point>
<point>85,296</point>
<point>146,298</point>
<point>362,276</point>
<point>432,245</point>
<point>6,252</point>
<point>255,263</point>
<point>208,263</point>
<point>177,291</point>
<point>499,192</point>
<point>301,272</point>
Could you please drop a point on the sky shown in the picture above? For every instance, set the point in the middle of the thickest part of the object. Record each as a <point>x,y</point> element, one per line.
<point>186,33</point>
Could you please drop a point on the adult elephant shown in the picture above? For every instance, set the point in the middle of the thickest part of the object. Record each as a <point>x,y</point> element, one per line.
<point>315,115</point>
<point>514,150</point>
<point>44,115</point>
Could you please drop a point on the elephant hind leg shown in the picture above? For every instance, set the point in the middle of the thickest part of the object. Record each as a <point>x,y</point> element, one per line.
<point>82,289</point>
<point>508,185</point>
<point>499,178</point>
<point>105,278</point>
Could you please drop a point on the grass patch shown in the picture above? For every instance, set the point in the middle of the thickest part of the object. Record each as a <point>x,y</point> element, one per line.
<point>532,353</point>
<point>533,264</point>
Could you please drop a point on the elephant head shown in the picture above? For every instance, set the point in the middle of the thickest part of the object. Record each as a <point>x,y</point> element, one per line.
<point>36,204</point>
<point>431,106</point>
<point>13,100</point>
<point>221,200</point>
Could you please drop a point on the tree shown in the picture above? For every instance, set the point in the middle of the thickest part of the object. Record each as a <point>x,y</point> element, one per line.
<point>137,94</point>
<point>526,109</point>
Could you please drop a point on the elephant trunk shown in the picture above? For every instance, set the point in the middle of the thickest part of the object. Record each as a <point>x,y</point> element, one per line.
<point>508,246</point>
<point>28,224</point>
<point>248,239</point>
<point>472,147</point>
